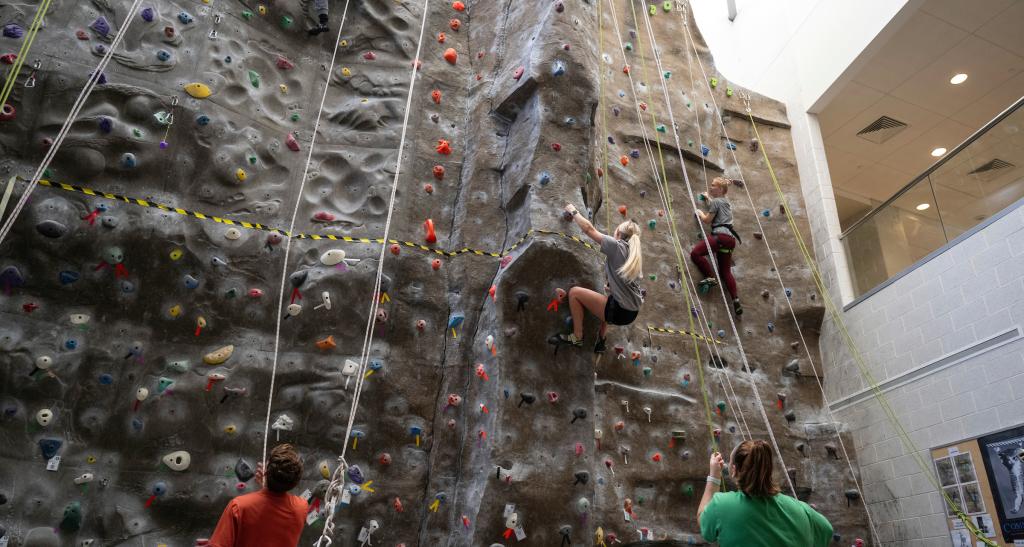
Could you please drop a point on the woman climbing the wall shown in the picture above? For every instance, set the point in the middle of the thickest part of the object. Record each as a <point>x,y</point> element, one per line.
<point>722,240</point>
<point>624,266</point>
<point>756,514</point>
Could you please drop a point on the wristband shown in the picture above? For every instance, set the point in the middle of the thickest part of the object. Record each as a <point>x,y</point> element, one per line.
<point>713,480</point>
<point>575,212</point>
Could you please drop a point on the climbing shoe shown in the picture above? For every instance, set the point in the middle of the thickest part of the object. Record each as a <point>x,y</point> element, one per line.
<point>705,285</point>
<point>599,347</point>
<point>318,29</point>
<point>737,308</point>
<point>570,339</point>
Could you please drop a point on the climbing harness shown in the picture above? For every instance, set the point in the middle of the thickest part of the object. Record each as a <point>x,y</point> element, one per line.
<point>94,78</point>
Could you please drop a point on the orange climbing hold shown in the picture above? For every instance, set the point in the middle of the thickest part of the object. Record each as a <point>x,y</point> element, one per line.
<point>441,38</point>
<point>622,210</point>
<point>428,226</point>
<point>439,172</point>
<point>436,264</point>
<point>436,96</point>
<point>326,343</point>
<point>443,147</point>
<point>624,160</point>
<point>458,6</point>
<point>625,69</point>
<point>451,55</point>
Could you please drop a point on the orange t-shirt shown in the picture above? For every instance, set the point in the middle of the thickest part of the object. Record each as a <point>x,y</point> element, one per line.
<point>260,519</point>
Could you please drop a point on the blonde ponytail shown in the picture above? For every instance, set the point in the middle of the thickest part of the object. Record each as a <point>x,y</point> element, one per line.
<point>632,269</point>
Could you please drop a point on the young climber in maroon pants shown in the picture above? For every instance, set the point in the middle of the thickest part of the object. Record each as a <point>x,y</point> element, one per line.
<point>624,266</point>
<point>722,240</point>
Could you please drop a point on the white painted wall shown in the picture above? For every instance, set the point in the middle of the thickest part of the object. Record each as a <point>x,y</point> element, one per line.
<point>798,52</point>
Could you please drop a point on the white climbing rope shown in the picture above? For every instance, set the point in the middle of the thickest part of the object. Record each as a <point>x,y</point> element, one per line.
<point>725,300</point>
<point>730,392</point>
<point>76,108</point>
<point>338,476</point>
<point>291,228</point>
<point>778,274</point>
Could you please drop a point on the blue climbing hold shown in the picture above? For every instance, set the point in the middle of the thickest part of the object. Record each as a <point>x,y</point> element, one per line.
<point>137,424</point>
<point>185,18</point>
<point>704,150</point>
<point>203,120</point>
<point>68,277</point>
<point>12,30</point>
<point>634,153</point>
<point>721,333</point>
<point>71,344</point>
<point>730,145</point>
<point>558,68</point>
<point>771,327</point>
<point>160,488</point>
<point>163,55</point>
<point>50,447</point>
<point>190,281</point>
<point>101,26</point>
<point>789,293</point>
<point>376,365</point>
<point>128,161</point>
<point>545,178</point>
<point>106,124</point>
<point>148,14</point>
<point>106,379</point>
<point>127,287</point>
<point>570,121</point>
<point>766,213</point>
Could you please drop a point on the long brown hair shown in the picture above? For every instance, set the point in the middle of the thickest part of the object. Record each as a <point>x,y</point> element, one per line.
<point>753,463</point>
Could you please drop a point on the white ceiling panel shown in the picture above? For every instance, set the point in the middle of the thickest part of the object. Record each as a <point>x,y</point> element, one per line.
<point>917,43</point>
<point>852,101</point>
<point>1005,30</point>
<point>978,12</point>
<point>918,121</point>
<point>915,156</point>
<point>876,182</point>
<point>979,112</point>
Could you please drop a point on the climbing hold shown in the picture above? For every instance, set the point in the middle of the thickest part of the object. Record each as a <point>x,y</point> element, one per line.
<point>44,417</point>
<point>72,518</point>
<point>435,95</point>
<point>518,73</point>
<point>713,82</point>
<point>439,172</point>
<point>219,356</point>
<point>241,175</point>
<point>286,22</point>
<point>128,161</point>
<point>326,343</point>
<point>198,90</point>
<point>51,229</point>
<point>332,257</point>
<point>100,25</point>
<point>458,6</point>
<point>163,55</point>
<point>232,234</point>
<point>435,264</point>
<point>558,68</point>
<point>444,147</point>
<point>7,112</point>
<point>178,460</point>
<point>728,92</point>
<point>624,160</point>
<point>704,150</point>
<point>622,210</point>
<point>185,18</point>
<point>451,55</point>
<point>428,227</point>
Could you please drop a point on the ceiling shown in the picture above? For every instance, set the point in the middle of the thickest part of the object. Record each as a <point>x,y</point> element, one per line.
<point>907,79</point>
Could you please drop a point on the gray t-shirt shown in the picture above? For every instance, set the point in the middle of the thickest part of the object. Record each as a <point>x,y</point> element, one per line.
<point>626,293</point>
<point>721,213</point>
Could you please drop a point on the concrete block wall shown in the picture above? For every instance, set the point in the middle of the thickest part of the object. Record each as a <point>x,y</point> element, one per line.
<point>966,295</point>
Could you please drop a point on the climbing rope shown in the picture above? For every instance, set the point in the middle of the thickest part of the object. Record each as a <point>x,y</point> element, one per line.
<point>732,323</point>
<point>26,46</point>
<point>338,476</point>
<point>601,109</point>
<point>76,108</point>
<point>650,156</point>
<point>291,228</point>
<point>691,50</point>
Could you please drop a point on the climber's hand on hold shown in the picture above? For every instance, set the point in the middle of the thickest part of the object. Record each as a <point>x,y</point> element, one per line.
<point>716,464</point>
<point>570,208</point>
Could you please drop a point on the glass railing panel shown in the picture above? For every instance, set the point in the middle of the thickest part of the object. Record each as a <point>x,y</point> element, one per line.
<point>894,238</point>
<point>982,179</point>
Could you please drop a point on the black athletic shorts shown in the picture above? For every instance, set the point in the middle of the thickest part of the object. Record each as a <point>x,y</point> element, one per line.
<point>615,314</point>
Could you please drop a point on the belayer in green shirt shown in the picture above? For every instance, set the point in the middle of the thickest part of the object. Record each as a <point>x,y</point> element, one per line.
<point>756,514</point>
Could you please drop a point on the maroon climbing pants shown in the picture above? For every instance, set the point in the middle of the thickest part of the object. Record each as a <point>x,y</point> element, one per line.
<point>719,243</point>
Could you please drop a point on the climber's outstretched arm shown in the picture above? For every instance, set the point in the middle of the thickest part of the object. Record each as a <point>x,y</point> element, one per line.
<point>584,224</point>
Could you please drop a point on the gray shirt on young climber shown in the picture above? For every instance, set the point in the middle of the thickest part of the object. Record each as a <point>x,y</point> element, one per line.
<point>721,213</point>
<point>626,293</point>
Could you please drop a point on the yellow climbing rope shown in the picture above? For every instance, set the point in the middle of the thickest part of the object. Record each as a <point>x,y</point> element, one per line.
<point>604,118</point>
<point>26,45</point>
<point>855,352</point>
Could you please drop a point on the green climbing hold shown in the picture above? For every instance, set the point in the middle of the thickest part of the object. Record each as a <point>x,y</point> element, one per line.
<point>629,46</point>
<point>640,500</point>
<point>137,133</point>
<point>653,10</point>
<point>689,142</point>
<point>647,372</point>
<point>728,92</point>
<point>248,15</point>
<point>689,104</point>
<point>286,22</point>
<point>653,277</point>
<point>252,160</point>
<point>688,490</point>
<point>47,174</point>
<point>721,407</point>
<point>667,5</point>
<point>668,74</point>
<point>295,117</point>
<point>652,224</point>
<point>714,82</point>
<point>660,128</point>
<point>72,520</point>
<point>254,78</point>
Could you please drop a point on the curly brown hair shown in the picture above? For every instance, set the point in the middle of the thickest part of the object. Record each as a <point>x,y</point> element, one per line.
<point>284,468</point>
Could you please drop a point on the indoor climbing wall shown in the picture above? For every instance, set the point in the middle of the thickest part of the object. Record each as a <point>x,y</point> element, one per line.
<point>145,358</point>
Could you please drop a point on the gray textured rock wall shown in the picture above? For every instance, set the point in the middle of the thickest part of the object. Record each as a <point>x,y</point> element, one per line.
<point>112,330</point>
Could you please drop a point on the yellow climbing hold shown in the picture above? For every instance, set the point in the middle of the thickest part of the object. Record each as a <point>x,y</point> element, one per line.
<point>346,72</point>
<point>343,43</point>
<point>284,88</point>
<point>219,356</point>
<point>230,429</point>
<point>241,175</point>
<point>176,254</point>
<point>175,310</point>
<point>262,9</point>
<point>198,90</point>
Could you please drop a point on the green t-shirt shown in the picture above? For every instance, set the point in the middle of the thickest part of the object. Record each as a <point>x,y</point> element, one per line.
<point>733,518</point>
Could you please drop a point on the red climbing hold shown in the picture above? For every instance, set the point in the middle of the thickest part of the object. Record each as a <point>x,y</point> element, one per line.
<point>443,147</point>
<point>436,264</point>
<point>255,293</point>
<point>435,95</point>
<point>323,216</point>
<point>643,106</point>
<point>656,457</point>
<point>624,160</point>
<point>8,113</point>
<point>284,64</point>
<point>552,397</point>
<point>455,24</point>
<point>566,47</point>
<point>556,147</point>
<point>458,6</point>
<point>370,56</point>
<point>395,249</point>
<point>81,35</point>
<point>293,144</point>
<point>518,73</point>
<point>600,172</point>
<point>625,69</point>
<point>451,55</point>
<point>9,58</point>
<point>441,38</point>
<point>439,172</point>
<point>428,188</point>
<point>480,55</point>
<point>428,226</point>
<point>622,210</point>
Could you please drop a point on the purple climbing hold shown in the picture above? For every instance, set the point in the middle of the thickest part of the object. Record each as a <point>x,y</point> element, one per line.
<point>100,49</point>
<point>101,79</point>
<point>12,30</point>
<point>148,14</point>
<point>106,124</point>
<point>101,26</point>
<point>356,474</point>
<point>635,154</point>
<point>11,278</point>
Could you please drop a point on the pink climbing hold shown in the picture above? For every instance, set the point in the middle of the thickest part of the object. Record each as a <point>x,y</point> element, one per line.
<point>323,216</point>
<point>293,144</point>
<point>552,397</point>
<point>519,73</point>
<point>7,112</point>
<point>370,56</point>
<point>255,293</point>
<point>81,35</point>
<point>284,64</point>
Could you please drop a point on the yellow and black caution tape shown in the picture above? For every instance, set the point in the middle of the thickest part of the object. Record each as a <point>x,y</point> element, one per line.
<point>315,237</point>
<point>662,330</point>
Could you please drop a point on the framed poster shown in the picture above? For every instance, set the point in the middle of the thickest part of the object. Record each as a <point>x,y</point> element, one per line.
<point>1003,454</point>
<point>960,474</point>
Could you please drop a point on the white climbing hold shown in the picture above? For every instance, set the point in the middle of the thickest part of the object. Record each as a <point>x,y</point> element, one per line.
<point>44,417</point>
<point>178,461</point>
<point>332,257</point>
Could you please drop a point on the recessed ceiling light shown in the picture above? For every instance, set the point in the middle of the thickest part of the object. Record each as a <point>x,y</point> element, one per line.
<point>923,206</point>
<point>938,151</point>
<point>958,79</point>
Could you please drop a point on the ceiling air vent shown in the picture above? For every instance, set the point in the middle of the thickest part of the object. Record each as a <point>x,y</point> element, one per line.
<point>991,170</point>
<point>881,130</point>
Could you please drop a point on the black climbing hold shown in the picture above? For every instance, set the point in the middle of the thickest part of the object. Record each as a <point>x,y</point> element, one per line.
<point>582,477</point>
<point>790,416</point>
<point>51,229</point>
<point>851,495</point>
<point>527,398</point>
<point>716,361</point>
<point>300,277</point>
<point>579,414</point>
<point>243,470</point>
<point>50,447</point>
<point>521,299</point>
